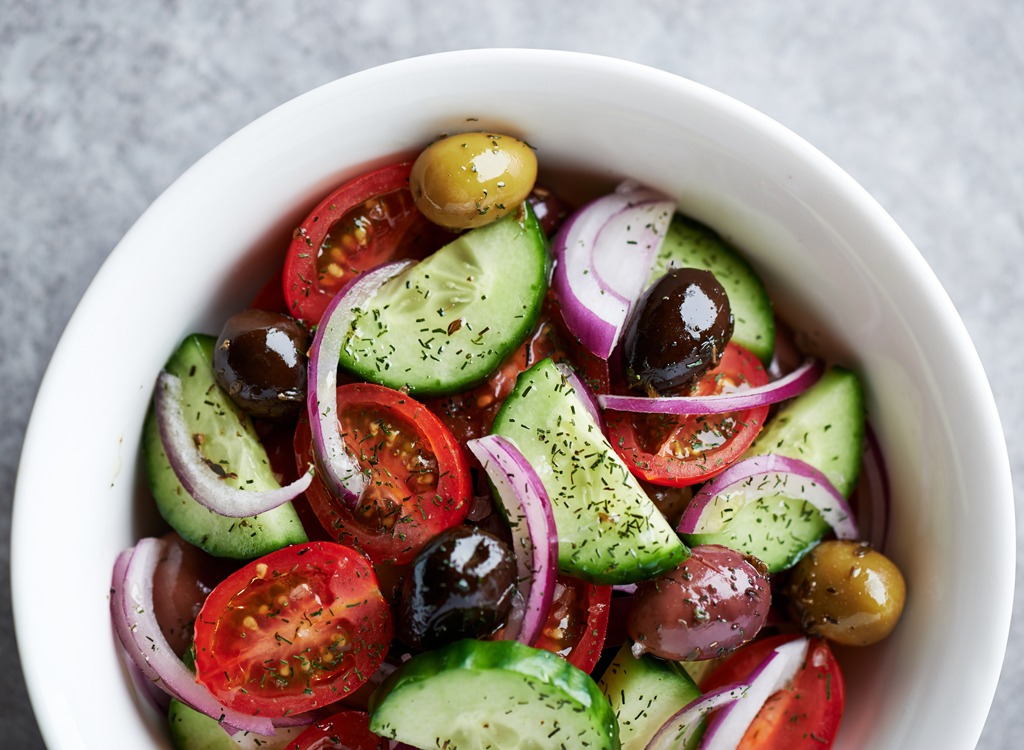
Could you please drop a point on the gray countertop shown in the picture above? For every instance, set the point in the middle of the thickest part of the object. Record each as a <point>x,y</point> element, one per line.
<point>103,104</point>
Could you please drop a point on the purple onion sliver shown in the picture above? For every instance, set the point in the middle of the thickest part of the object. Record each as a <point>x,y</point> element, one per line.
<point>782,389</point>
<point>135,623</point>
<point>535,547</point>
<point>583,393</point>
<point>206,486</point>
<point>622,232</point>
<point>679,729</point>
<point>771,475</point>
<point>873,493</point>
<point>728,725</point>
<point>339,470</point>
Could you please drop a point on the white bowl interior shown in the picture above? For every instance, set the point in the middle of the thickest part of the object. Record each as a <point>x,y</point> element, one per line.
<point>835,263</point>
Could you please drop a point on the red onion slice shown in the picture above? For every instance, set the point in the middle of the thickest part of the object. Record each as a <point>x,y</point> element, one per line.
<point>132,611</point>
<point>784,388</point>
<point>605,252</point>
<point>728,725</point>
<point>767,476</point>
<point>871,498</point>
<point>339,469</point>
<point>532,521</point>
<point>685,723</point>
<point>192,469</point>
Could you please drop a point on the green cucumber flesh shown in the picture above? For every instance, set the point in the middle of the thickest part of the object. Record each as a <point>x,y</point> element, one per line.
<point>608,529</point>
<point>230,441</point>
<point>446,323</point>
<point>192,730</point>
<point>823,427</point>
<point>644,693</point>
<point>493,695</point>
<point>689,244</point>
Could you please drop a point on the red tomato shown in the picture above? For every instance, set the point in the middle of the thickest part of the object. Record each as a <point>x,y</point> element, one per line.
<point>804,715</point>
<point>295,630</point>
<point>470,414</point>
<point>419,479</point>
<point>365,222</point>
<point>578,622</point>
<point>676,451</point>
<point>345,730</point>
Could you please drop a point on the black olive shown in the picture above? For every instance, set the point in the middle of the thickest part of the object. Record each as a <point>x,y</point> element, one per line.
<point>678,331</point>
<point>460,586</point>
<point>260,361</point>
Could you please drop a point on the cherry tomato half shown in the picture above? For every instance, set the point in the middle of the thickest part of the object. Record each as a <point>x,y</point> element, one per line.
<point>419,480</point>
<point>804,715</point>
<point>367,221</point>
<point>676,451</point>
<point>578,622</point>
<point>345,730</point>
<point>295,630</point>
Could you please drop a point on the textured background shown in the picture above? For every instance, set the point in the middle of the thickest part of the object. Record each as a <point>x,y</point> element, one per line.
<point>103,104</point>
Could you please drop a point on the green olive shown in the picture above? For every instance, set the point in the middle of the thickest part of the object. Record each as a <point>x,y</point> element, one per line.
<point>471,179</point>
<point>847,592</point>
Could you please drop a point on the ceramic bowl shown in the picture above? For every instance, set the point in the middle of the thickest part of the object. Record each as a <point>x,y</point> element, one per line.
<point>839,269</point>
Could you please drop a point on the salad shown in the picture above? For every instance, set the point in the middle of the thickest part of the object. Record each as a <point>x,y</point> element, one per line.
<point>480,469</point>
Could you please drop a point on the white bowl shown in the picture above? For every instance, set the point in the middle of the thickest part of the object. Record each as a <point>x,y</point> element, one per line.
<point>836,265</point>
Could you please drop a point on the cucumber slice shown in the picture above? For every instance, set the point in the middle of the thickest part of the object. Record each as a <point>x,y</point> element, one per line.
<point>493,695</point>
<point>192,730</point>
<point>609,531</point>
<point>689,244</point>
<point>644,693</point>
<point>230,441</point>
<point>824,427</point>
<point>446,323</point>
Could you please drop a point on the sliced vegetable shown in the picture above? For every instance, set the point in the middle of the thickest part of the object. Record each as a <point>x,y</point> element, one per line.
<point>534,538</point>
<point>292,631</point>
<point>729,724</point>
<point>344,730</point>
<point>678,450</point>
<point>685,728</point>
<point>132,612</point>
<point>782,389</point>
<point>497,694</point>
<point>192,730</point>
<point>339,468</point>
<point>604,254</point>
<point>578,622</point>
<point>365,222</point>
<point>417,476</point>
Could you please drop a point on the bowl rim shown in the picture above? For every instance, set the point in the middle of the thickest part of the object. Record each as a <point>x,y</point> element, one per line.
<point>40,685</point>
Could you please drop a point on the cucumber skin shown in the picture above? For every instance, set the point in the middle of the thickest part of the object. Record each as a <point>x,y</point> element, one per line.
<point>647,545</point>
<point>238,538</point>
<point>398,362</point>
<point>824,427</point>
<point>689,244</point>
<point>644,693</point>
<point>192,730</point>
<point>577,694</point>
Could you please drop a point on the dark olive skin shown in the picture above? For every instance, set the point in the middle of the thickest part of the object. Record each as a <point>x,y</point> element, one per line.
<point>847,592</point>
<point>260,361</point>
<point>677,333</point>
<point>713,603</point>
<point>460,586</point>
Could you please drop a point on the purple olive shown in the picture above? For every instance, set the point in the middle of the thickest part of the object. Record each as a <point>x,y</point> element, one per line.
<point>713,603</point>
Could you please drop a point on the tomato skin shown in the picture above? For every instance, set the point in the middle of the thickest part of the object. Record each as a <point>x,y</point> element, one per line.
<point>396,516</point>
<point>295,630</point>
<point>646,442</point>
<point>345,730</point>
<point>804,716</point>
<point>582,648</point>
<point>367,221</point>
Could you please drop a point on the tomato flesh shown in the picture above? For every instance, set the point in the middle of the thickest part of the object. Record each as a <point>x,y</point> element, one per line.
<point>680,450</point>
<point>577,622</point>
<point>365,222</point>
<point>297,629</point>
<point>804,715</point>
<point>419,481</point>
<point>345,730</point>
